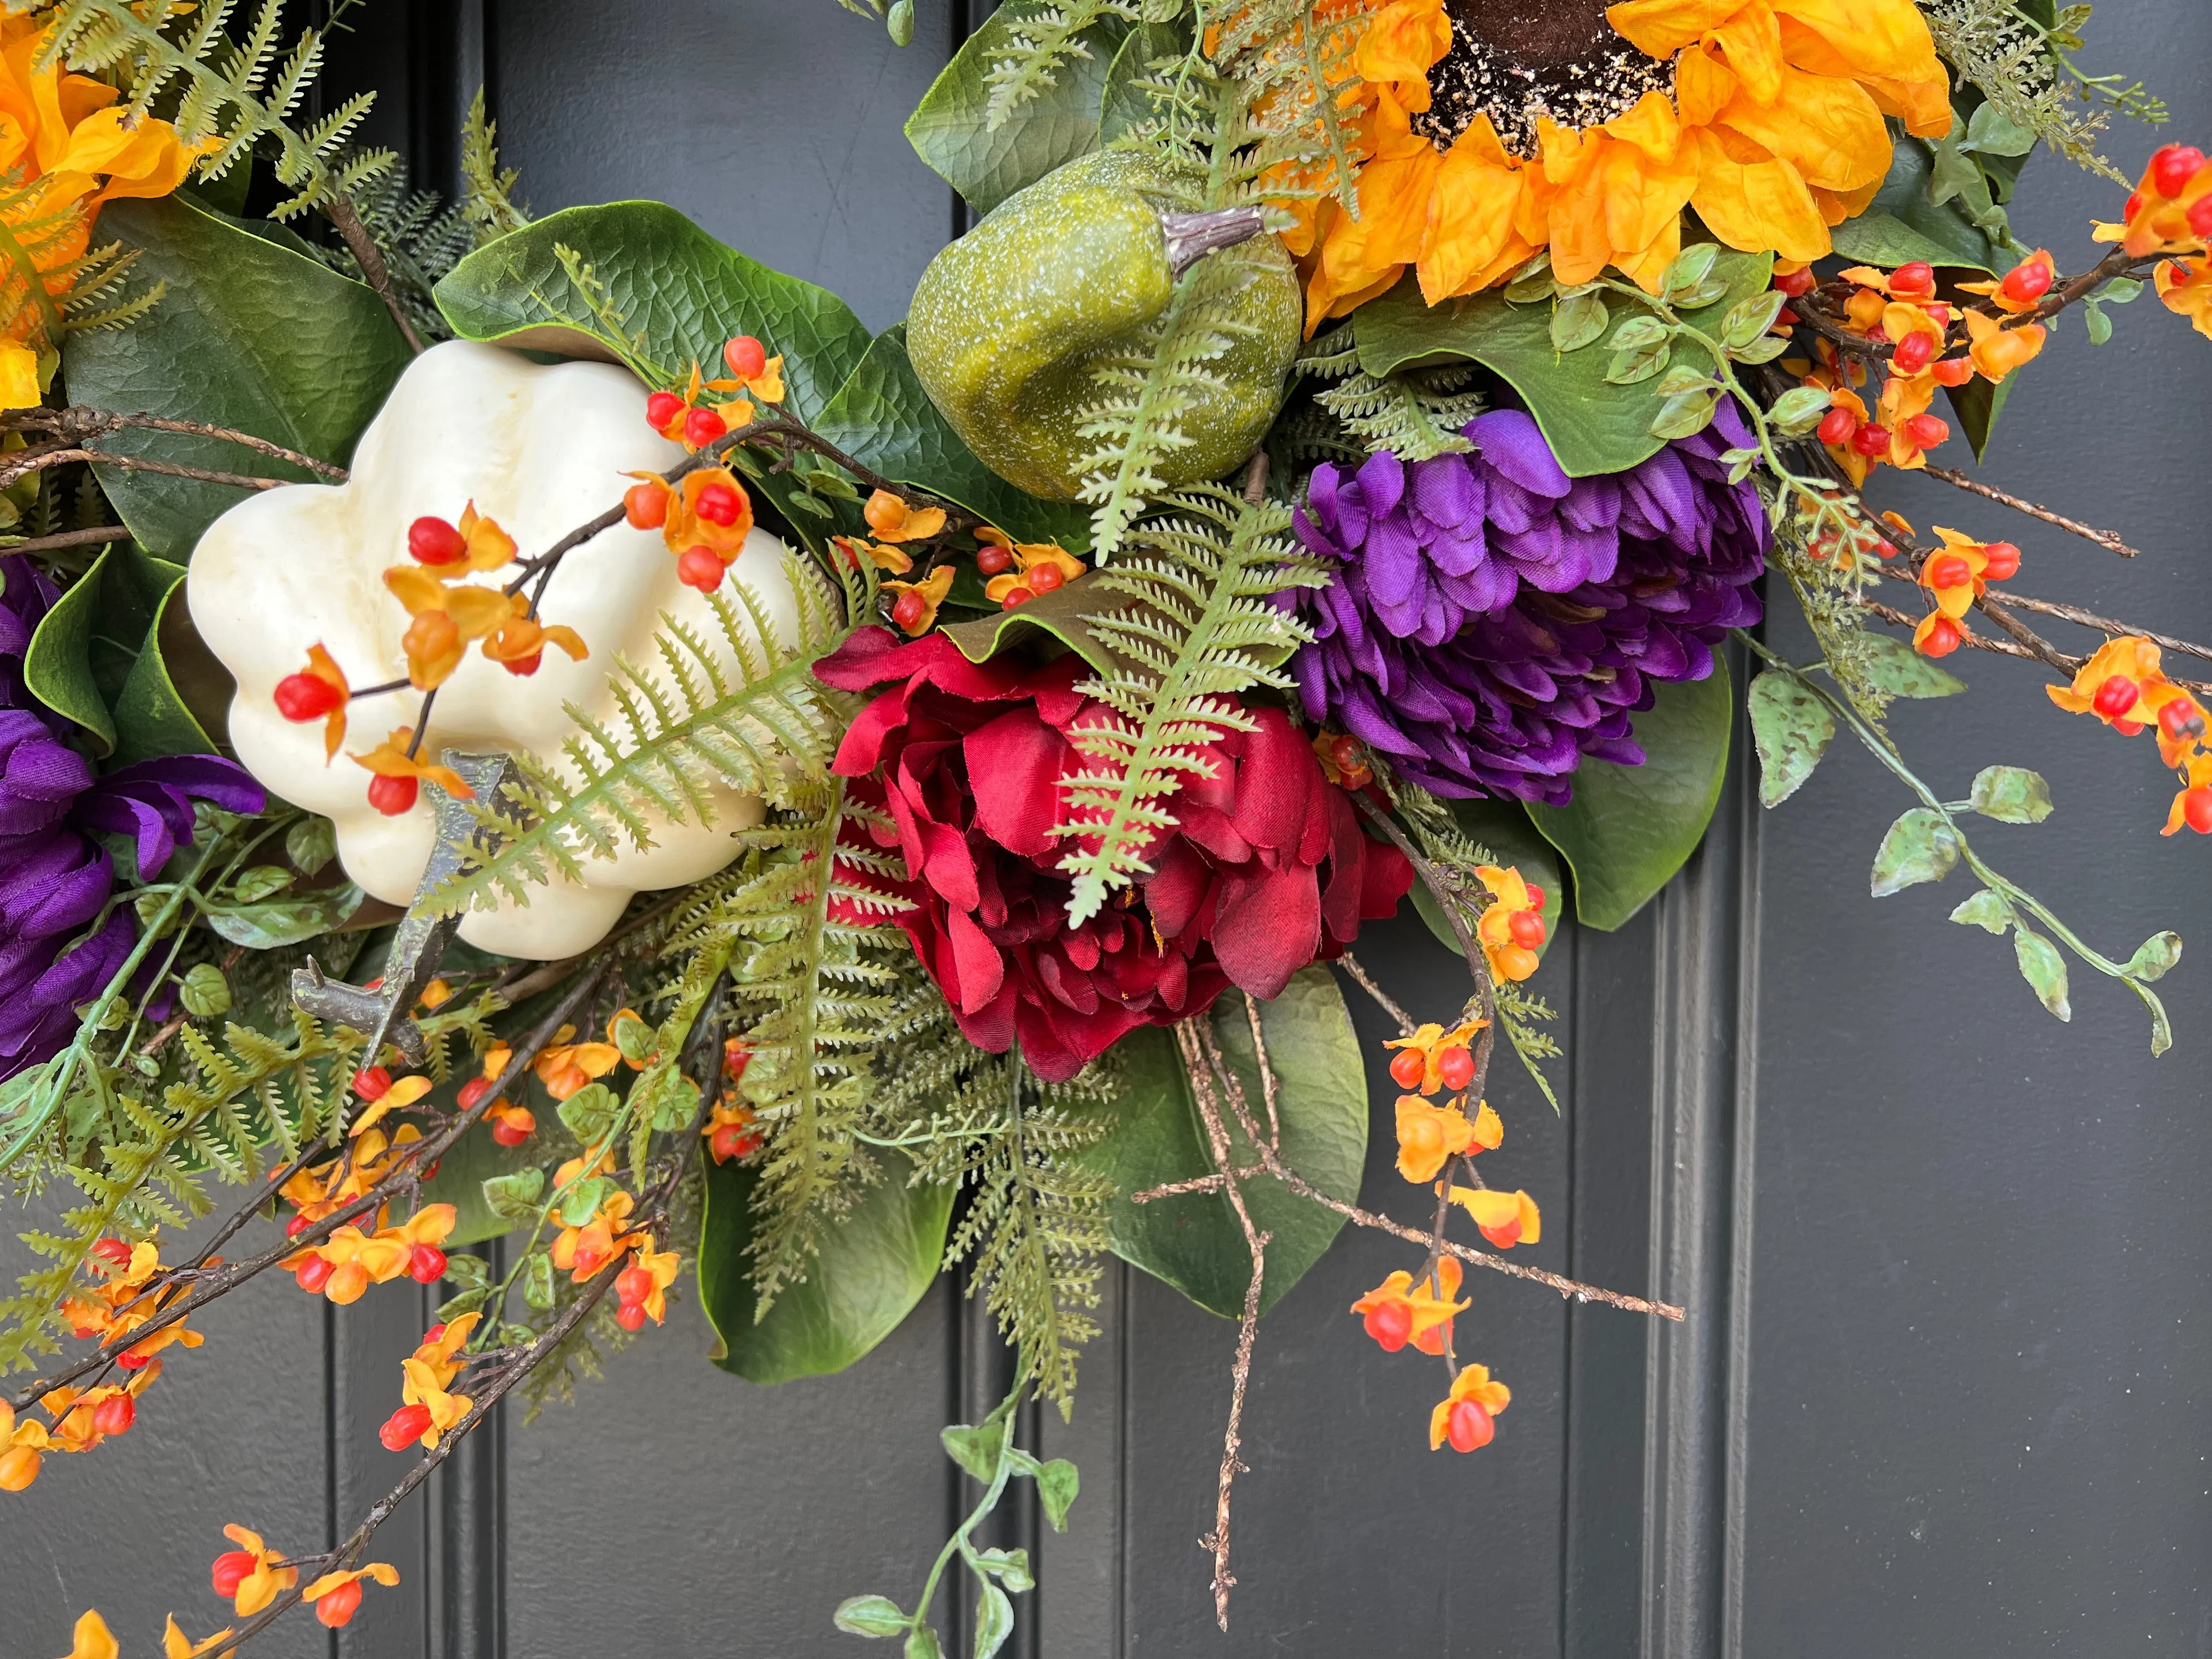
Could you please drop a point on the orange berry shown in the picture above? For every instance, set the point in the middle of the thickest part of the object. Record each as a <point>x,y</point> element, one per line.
<point>2027,282</point>
<point>909,611</point>
<point>701,568</point>
<point>115,1414</point>
<point>2115,696</point>
<point>1526,928</point>
<point>630,1315</point>
<point>349,1281</point>
<point>314,1272</point>
<point>1942,639</point>
<point>1837,426</point>
<point>2181,720</point>
<point>338,1604</point>
<point>2000,559</point>
<point>1407,1068</point>
<point>663,409</point>
<point>702,426</point>
<point>990,561</point>
<point>1926,431</point>
<point>732,1140</point>
<point>1952,370</point>
<point>1913,281</point>
<point>2173,166</point>
<point>645,505</point>
<point>746,356</point>
<point>1949,570</point>
<point>1536,893</point>
<point>512,1128</point>
<point>1016,596</point>
<point>718,504</point>
<point>1914,352</point>
<point>371,1082</point>
<point>1797,284</point>
<point>304,698</point>
<point>426,1264</point>
<point>884,512</point>
<point>19,1467</point>
<point>1045,578</point>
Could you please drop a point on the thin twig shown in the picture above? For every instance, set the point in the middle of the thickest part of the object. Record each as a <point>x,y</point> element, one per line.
<point>339,210</point>
<point>113,532</point>
<point>2109,540</point>
<point>1270,1085</point>
<point>28,461</point>
<point>1384,1001</point>
<point>80,425</point>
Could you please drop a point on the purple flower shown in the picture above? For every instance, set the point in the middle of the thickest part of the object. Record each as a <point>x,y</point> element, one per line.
<point>54,878</point>
<point>1493,621</point>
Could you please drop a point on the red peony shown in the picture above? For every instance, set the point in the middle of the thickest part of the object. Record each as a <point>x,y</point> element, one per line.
<point>1268,870</point>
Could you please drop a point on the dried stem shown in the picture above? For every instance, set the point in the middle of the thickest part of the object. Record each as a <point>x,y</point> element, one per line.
<point>1384,1000</point>
<point>113,532</point>
<point>28,461</point>
<point>80,425</point>
<point>2109,540</point>
<point>339,210</point>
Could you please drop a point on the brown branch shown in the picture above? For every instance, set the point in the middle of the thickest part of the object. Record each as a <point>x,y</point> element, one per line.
<point>1270,1085</point>
<point>420,1155</point>
<point>80,425</point>
<point>25,462</point>
<point>2109,540</point>
<point>339,210</point>
<point>113,532</point>
<point>1382,998</point>
<point>2111,625</point>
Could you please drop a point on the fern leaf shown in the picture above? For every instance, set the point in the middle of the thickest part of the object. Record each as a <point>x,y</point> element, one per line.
<point>1415,414</point>
<point>1044,37</point>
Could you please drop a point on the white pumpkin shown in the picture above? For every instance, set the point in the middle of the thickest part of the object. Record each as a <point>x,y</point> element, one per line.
<point>541,450</point>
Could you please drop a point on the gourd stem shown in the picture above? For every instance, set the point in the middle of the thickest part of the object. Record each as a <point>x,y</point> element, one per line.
<point>1192,236</point>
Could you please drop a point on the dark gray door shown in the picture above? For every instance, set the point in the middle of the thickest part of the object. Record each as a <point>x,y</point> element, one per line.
<point>1942,1389</point>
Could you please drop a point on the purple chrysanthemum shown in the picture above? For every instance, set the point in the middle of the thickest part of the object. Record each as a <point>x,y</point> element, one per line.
<point>1493,621</point>
<point>54,878</point>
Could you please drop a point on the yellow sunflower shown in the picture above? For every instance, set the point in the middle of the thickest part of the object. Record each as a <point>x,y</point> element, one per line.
<point>1495,128</point>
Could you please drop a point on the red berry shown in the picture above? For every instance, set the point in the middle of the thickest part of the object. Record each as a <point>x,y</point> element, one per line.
<point>630,1315</point>
<point>1536,896</point>
<point>2180,721</point>
<point>432,540</point>
<point>524,667</point>
<point>2115,696</point>
<point>112,1250</point>
<point>1456,1067</point>
<point>2172,168</point>
<point>1407,1068</point>
<point>1914,280</point>
<point>404,1427</point>
<point>1344,752</point>
<point>700,567</point>
<point>1914,352</point>
<point>1505,1235</point>
<point>730,1141</point>
<point>1952,370</point>
<point>746,356</point>
<point>304,698</point>
<point>115,1414</point>
<point>371,1082</point>
<point>909,611</point>
<point>1942,639</point>
<point>646,506</point>
<point>702,426</point>
<point>2135,205</point>
<point>1871,440</point>
<point>633,1284</point>
<point>315,1273</point>
<point>512,1130</point>
<point>2196,809</point>
<point>2028,282</point>
<point>1016,596</point>
<point>1045,578</point>
<point>1526,928</point>
<point>1884,548</point>
<point>1390,1324</point>
<point>2200,215</point>
<point>1797,284</point>
<point>1949,570</point>
<point>662,410</point>
<point>1786,318</point>
<point>2001,560</point>
<point>338,1604</point>
<point>392,796</point>
<point>990,561</point>
<point>134,1359</point>
<point>426,1264</point>
<point>474,1091</point>
<point>2127,728</point>
<point>1468,1427</point>
<point>296,1226</point>
<point>232,1568</point>
<point>718,504</point>
<point>1926,431</point>
<point>1837,426</point>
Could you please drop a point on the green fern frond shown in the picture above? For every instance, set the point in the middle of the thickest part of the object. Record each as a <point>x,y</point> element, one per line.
<point>486,188</point>
<point>1045,35</point>
<point>236,90</point>
<point>1415,414</point>
<point>743,711</point>
<point>1205,629</point>
<point>420,236</point>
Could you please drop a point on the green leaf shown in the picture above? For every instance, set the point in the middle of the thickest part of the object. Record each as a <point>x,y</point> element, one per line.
<point>1502,826</point>
<point>1593,425</point>
<point>276,922</point>
<point>84,659</point>
<point>538,1282</point>
<point>1629,828</point>
<point>1635,366</point>
<point>1749,318</point>
<point>1899,670</point>
<point>2153,957</point>
<point>2161,1032</point>
<point>869,1615</point>
<point>1689,269</point>
<point>883,418</point>
<point>1791,726</point>
<point>1978,404</point>
<point>1638,332</point>
<point>679,293</point>
<point>977,1447</point>
<point>1193,1242</point>
<point>2011,794</point>
<point>514,1197</point>
<point>874,1265</point>
<point>1010,1567</point>
<point>1683,414</point>
<point>1904,223</point>
<point>204,991</point>
<point>260,881</point>
<point>590,1113</point>
<point>1578,322</point>
<point>995,1619</point>
<point>2098,325</point>
<point>1064,616</point>
<point>463,1180</point>
<point>250,336</point>
<point>1919,847</point>
<point>1057,1481</point>
<point>1799,409</point>
<point>948,131</point>
<point>582,1200</point>
<point>1126,104</point>
<point>176,698</point>
<point>2044,969</point>
<point>899,21</point>
<point>1988,910</point>
<point>922,1644</point>
<point>1992,132</point>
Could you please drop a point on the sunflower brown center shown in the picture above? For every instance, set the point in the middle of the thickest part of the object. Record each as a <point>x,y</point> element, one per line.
<point>1517,60</point>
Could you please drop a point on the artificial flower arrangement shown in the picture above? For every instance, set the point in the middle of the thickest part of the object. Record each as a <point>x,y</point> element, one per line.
<point>655,797</point>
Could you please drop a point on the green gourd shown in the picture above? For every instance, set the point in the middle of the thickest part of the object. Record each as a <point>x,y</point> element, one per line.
<point>1009,322</point>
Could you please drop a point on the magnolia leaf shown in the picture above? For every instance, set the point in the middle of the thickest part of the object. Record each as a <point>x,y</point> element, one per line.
<point>1791,726</point>
<point>948,131</point>
<point>874,1265</point>
<point>250,336</point>
<point>1905,223</point>
<point>2011,794</point>
<point>2043,969</point>
<point>1593,424</point>
<point>1061,613</point>
<point>1902,671</point>
<point>1193,1242</point>
<point>1919,847</point>
<point>1986,909</point>
<point>2153,957</point>
<point>1057,1481</point>
<point>869,1615</point>
<point>95,659</point>
<point>1629,828</point>
<point>1578,322</point>
<point>883,418</point>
